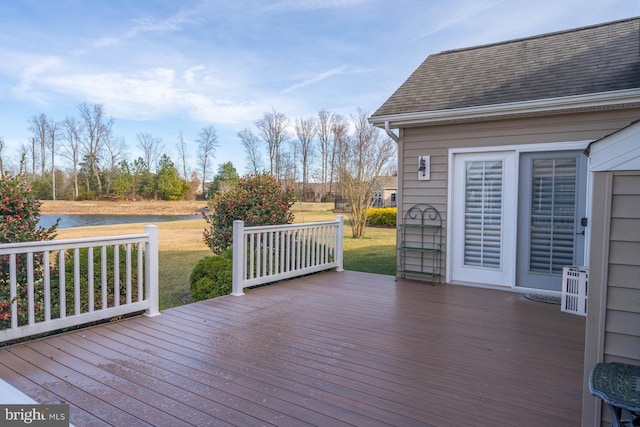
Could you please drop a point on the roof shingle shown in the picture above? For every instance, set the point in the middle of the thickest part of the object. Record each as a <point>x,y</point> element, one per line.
<point>594,59</point>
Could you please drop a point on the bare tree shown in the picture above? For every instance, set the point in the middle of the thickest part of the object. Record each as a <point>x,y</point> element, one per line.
<point>250,142</point>
<point>305,130</point>
<point>115,148</point>
<point>52,127</point>
<point>39,130</point>
<point>72,131</point>
<point>325,120</point>
<point>363,157</point>
<point>207,144</point>
<point>273,128</point>
<point>151,149</point>
<point>288,165</point>
<point>96,129</point>
<point>183,153</point>
<point>340,136</point>
<point>33,152</point>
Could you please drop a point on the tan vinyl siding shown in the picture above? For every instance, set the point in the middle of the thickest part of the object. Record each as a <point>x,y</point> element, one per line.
<point>625,322</point>
<point>613,332</point>
<point>623,292</point>
<point>435,141</point>
<point>625,229</point>
<point>624,275</point>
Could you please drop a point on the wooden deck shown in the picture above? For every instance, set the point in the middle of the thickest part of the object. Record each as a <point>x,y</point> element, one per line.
<point>333,349</point>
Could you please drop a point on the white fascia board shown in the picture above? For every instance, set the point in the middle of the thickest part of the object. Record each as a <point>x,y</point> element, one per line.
<point>617,152</point>
<point>593,100</point>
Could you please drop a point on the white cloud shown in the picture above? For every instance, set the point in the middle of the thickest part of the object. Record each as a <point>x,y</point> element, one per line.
<point>153,24</point>
<point>322,76</point>
<point>149,94</point>
<point>190,74</point>
<point>32,74</point>
<point>295,5</point>
<point>458,13</point>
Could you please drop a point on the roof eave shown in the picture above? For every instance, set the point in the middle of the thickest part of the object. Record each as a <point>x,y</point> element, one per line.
<point>521,108</point>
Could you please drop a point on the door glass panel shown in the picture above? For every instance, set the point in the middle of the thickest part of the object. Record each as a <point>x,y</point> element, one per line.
<point>553,199</point>
<point>483,214</point>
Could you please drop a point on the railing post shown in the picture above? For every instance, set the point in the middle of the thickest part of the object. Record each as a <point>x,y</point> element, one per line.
<point>239,254</point>
<point>151,271</point>
<point>339,242</point>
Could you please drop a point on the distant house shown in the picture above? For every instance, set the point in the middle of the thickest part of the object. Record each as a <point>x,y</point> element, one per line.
<point>494,137</point>
<point>384,193</point>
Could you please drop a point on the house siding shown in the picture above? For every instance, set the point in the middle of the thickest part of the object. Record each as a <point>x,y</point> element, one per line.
<point>614,292</point>
<point>623,294</point>
<point>437,140</point>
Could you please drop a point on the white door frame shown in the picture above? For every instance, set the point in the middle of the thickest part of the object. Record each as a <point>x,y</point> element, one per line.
<point>496,276</point>
<point>510,243</point>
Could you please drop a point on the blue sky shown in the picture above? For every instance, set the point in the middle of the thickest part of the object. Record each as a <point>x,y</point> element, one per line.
<point>161,66</point>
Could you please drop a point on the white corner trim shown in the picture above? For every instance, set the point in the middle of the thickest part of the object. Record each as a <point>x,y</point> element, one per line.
<point>592,100</point>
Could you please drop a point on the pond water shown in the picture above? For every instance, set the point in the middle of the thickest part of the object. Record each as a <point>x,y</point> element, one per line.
<point>82,220</point>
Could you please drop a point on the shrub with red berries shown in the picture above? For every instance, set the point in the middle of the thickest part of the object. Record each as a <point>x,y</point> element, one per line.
<point>19,216</point>
<point>257,200</point>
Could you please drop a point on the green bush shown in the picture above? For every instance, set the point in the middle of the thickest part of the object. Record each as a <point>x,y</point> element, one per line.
<point>19,216</point>
<point>382,216</point>
<point>212,277</point>
<point>257,200</point>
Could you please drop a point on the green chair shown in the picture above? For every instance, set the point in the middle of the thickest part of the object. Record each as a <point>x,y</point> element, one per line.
<point>618,385</point>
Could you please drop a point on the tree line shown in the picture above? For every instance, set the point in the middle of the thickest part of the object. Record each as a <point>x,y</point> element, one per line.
<point>81,158</point>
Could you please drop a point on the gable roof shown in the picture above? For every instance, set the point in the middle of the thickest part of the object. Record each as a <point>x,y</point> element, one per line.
<point>573,63</point>
<point>387,182</point>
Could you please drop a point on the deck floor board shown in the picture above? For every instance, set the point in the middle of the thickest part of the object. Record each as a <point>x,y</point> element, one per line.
<point>331,349</point>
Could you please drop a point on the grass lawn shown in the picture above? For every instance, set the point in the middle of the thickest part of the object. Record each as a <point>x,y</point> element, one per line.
<point>181,247</point>
<point>374,253</point>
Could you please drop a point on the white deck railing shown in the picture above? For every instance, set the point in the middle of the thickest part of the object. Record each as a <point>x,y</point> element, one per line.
<point>269,253</point>
<point>57,284</point>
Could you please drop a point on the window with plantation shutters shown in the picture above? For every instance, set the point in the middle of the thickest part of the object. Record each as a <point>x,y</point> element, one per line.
<point>483,214</point>
<point>553,211</point>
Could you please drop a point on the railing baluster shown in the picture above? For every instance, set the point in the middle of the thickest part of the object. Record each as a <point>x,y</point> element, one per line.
<point>320,241</point>
<point>140,273</point>
<point>76,281</point>
<point>90,292</point>
<point>325,244</point>
<point>287,250</point>
<point>116,275</point>
<point>270,253</point>
<point>62,265</point>
<point>47,285</point>
<point>283,251</point>
<point>103,277</point>
<point>252,255</point>
<point>276,255</point>
<point>298,250</point>
<point>30,290</point>
<point>128,270</point>
<point>314,248</point>
<point>13,290</point>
